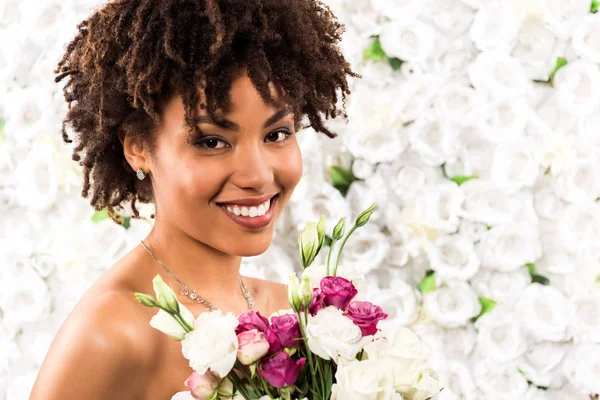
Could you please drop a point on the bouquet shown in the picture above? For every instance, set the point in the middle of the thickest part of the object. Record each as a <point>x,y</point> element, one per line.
<point>326,346</point>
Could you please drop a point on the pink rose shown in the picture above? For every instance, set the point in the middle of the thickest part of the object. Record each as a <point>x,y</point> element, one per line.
<point>316,303</point>
<point>287,329</point>
<point>338,291</point>
<point>252,346</point>
<point>365,315</point>
<point>249,320</point>
<point>280,370</point>
<point>202,386</point>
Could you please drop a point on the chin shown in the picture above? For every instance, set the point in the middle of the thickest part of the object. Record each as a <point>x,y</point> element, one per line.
<point>251,247</point>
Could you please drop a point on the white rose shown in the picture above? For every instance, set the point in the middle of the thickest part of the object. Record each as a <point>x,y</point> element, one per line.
<point>316,272</point>
<point>583,38</point>
<point>435,141</point>
<point>582,368</point>
<point>440,206</point>
<point>578,183</point>
<point>586,304</point>
<point>542,364</point>
<point>545,313</point>
<point>494,27</point>
<point>502,287</point>
<point>509,247</point>
<point>418,92</point>
<point>499,75</point>
<point>455,102</point>
<point>557,151</point>
<point>578,226</point>
<point>453,257</point>
<point>514,167</point>
<point>472,230</point>
<point>500,382</point>
<point>498,337</point>
<point>556,260</point>
<point>474,159</point>
<point>37,178</point>
<point>375,130</point>
<point>452,305</point>
<point>578,87</point>
<point>10,354</point>
<point>363,380</point>
<point>547,204</point>
<point>21,386</point>
<point>399,302</point>
<point>459,382</point>
<point>366,249</point>
<point>212,344</point>
<point>458,342</point>
<point>537,49</point>
<point>362,169</point>
<point>404,180</point>
<point>412,41</point>
<point>502,121</point>
<point>398,254</point>
<point>331,335</point>
<point>487,203</point>
<point>561,16</point>
<point>398,10</point>
<point>452,18</point>
<point>362,194</point>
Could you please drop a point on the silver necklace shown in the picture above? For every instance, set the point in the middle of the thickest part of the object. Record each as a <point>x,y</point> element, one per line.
<point>192,295</point>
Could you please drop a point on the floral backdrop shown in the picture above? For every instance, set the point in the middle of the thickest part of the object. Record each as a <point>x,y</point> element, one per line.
<point>475,130</point>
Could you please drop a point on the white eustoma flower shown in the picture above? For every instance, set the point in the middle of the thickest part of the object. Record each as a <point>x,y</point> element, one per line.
<point>495,26</point>
<point>499,75</point>
<point>561,16</point>
<point>455,102</point>
<point>545,313</point>
<point>165,323</point>
<point>453,257</point>
<point>537,49</point>
<point>368,248</point>
<point>547,204</point>
<point>331,335</point>
<point>509,247</point>
<point>583,41</point>
<point>499,338</point>
<point>502,287</point>
<point>459,381</point>
<point>440,206</point>
<point>502,121</point>
<point>435,141</point>
<point>578,87</point>
<point>487,203</point>
<point>398,10</point>
<point>578,181</point>
<point>417,92</point>
<point>363,380</point>
<point>452,305</point>
<point>582,368</point>
<point>578,227</point>
<point>453,18</point>
<point>542,363</point>
<point>212,344</point>
<point>515,167</point>
<point>413,41</point>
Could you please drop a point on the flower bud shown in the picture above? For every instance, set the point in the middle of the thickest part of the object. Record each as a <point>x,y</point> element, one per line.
<point>202,386</point>
<point>145,299</point>
<point>293,288</point>
<point>308,244</point>
<point>321,227</point>
<point>165,295</point>
<point>305,293</point>
<point>363,218</point>
<point>338,231</point>
<point>253,345</point>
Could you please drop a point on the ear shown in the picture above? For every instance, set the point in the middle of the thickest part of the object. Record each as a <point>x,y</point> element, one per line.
<point>135,152</point>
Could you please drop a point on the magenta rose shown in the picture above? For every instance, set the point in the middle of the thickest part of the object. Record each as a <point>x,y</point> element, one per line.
<point>280,370</point>
<point>273,339</point>
<point>338,291</point>
<point>287,329</point>
<point>316,303</point>
<point>249,320</point>
<point>365,315</point>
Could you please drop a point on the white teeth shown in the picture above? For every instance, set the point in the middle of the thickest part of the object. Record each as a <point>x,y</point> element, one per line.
<point>250,211</point>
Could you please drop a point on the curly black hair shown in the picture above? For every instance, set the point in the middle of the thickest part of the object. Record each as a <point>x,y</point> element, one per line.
<point>130,55</point>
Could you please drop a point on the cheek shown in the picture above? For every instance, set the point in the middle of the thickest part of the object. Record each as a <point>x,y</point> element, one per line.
<point>291,170</point>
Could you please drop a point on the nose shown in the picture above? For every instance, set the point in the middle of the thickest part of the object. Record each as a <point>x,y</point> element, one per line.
<point>253,169</point>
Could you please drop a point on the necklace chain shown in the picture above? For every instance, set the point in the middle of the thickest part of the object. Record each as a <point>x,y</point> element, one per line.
<point>192,295</point>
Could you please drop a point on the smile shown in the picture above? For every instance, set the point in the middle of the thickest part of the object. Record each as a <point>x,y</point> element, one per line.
<point>254,217</point>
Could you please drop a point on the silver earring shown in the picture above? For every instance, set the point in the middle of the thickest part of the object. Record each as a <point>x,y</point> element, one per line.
<point>140,174</point>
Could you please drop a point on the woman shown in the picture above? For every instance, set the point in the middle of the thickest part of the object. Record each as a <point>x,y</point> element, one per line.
<point>194,106</point>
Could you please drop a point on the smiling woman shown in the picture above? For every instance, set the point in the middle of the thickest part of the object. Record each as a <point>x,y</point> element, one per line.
<point>193,105</point>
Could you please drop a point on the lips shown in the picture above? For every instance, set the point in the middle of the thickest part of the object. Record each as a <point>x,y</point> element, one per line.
<point>247,221</point>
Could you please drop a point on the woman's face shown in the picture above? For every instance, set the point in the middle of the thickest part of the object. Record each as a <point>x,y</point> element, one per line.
<point>226,188</point>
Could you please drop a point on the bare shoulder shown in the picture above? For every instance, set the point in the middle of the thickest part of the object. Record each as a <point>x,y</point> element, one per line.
<point>95,354</point>
<point>273,295</point>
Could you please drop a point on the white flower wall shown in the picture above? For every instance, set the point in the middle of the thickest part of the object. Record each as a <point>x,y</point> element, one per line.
<point>475,128</point>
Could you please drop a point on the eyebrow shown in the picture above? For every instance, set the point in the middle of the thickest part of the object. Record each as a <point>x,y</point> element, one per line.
<point>227,124</point>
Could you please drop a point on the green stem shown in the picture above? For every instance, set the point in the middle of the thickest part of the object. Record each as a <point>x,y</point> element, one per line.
<point>333,242</point>
<point>339,255</point>
<point>303,332</point>
<point>264,383</point>
<point>186,327</point>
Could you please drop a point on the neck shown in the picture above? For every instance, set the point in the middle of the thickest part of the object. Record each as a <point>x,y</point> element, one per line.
<point>213,274</point>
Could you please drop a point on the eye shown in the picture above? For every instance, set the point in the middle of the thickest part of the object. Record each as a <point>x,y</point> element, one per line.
<point>211,143</point>
<point>278,136</point>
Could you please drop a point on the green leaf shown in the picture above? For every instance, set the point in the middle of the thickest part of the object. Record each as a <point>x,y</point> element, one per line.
<point>395,63</point>
<point>100,215</point>
<point>428,284</point>
<point>488,227</point>
<point>374,51</point>
<point>126,222</point>
<point>2,133</point>
<point>540,279</point>
<point>595,6</point>
<point>531,268</point>
<point>487,305</point>
<point>560,62</point>
<point>460,179</point>
<point>341,179</point>
<point>327,241</point>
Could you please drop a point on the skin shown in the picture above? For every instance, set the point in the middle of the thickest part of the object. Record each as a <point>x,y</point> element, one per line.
<point>105,348</point>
